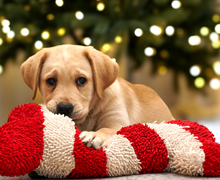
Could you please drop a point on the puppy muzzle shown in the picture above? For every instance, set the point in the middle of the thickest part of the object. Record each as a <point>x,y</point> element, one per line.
<point>65,109</point>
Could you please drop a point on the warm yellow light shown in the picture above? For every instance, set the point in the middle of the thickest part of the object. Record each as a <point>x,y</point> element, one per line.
<point>217,28</point>
<point>214,83</point>
<point>162,70</point>
<point>1,41</point>
<point>11,34</point>
<point>45,35</point>
<point>180,32</point>
<point>5,22</point>
<point>216,67</point>
<point>61,31</point>
<point>106,47</point>
<point>156,30</point>
<point>38,45</point>
<point>87,41</point>
<point>195,70</point>
<point>216,18</point>
<point>1,69</point>
<point>169,30</point>
<point>194,40</point>
<point>100,6</point>
<point>204,31</point>
<point>24,31</point>
<point>149,51</point>
<point>176,4</point>
<point>199,82</point>
<point>79,15</point>
<point>27,8</point>
<point>59,3</point>
<point>216,44</point>
<point>50,17</point>
<point>2,18</point>
<point>118,39</point>
<point>213,36</point>
<point>117,9</point>
<point>164,54</point>
<point>138,32</point>
<point>6,29</point>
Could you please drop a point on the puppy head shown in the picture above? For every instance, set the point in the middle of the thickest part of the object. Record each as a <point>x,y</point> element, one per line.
<point>70,78</point>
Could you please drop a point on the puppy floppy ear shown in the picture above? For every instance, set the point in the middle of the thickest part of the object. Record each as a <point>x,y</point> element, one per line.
<point>105,70</point>
<point>31,69</point>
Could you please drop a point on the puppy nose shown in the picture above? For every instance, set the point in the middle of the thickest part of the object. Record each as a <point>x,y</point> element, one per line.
<point>65,109</point>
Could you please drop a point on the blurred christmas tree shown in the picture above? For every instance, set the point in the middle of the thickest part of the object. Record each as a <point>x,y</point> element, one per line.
<point>181,35</point>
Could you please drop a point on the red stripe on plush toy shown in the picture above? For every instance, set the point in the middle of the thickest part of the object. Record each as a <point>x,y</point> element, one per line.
<point>88,161</point>
<point>196,129</point>
<point>211,149</point>
<point>24,131</point>
<point>212,158</point>
<point>148,146</point>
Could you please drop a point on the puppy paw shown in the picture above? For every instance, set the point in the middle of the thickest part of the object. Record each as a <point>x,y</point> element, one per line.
<point>94,139</point>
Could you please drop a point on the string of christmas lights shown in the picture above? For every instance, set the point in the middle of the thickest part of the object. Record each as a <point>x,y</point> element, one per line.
<point>160,31</point>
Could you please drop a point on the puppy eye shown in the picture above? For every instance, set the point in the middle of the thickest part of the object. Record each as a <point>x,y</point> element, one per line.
<point>51,81</point>
<point>80,81</point>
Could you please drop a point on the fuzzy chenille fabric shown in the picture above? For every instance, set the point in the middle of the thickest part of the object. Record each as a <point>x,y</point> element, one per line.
<point>34,139</point>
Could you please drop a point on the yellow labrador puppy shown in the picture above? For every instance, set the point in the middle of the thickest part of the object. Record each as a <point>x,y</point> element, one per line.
<point>82,83</point>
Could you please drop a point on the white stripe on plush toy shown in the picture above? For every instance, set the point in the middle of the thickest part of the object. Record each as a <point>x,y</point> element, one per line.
<point>59,132</point>
<point>185,155</point>
<point>121,157</point>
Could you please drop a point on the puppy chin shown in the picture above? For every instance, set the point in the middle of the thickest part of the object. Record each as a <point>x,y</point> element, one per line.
<point>78,120</point>
<point>78,117</point>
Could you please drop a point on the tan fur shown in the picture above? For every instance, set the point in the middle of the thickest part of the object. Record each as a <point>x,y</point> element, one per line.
<point>101,106</point>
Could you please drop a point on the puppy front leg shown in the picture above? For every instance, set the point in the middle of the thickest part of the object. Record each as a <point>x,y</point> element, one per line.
<point>99,138</point>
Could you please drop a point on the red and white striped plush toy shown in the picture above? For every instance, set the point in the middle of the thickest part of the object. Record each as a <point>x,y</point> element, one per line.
<point>35,139</point>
